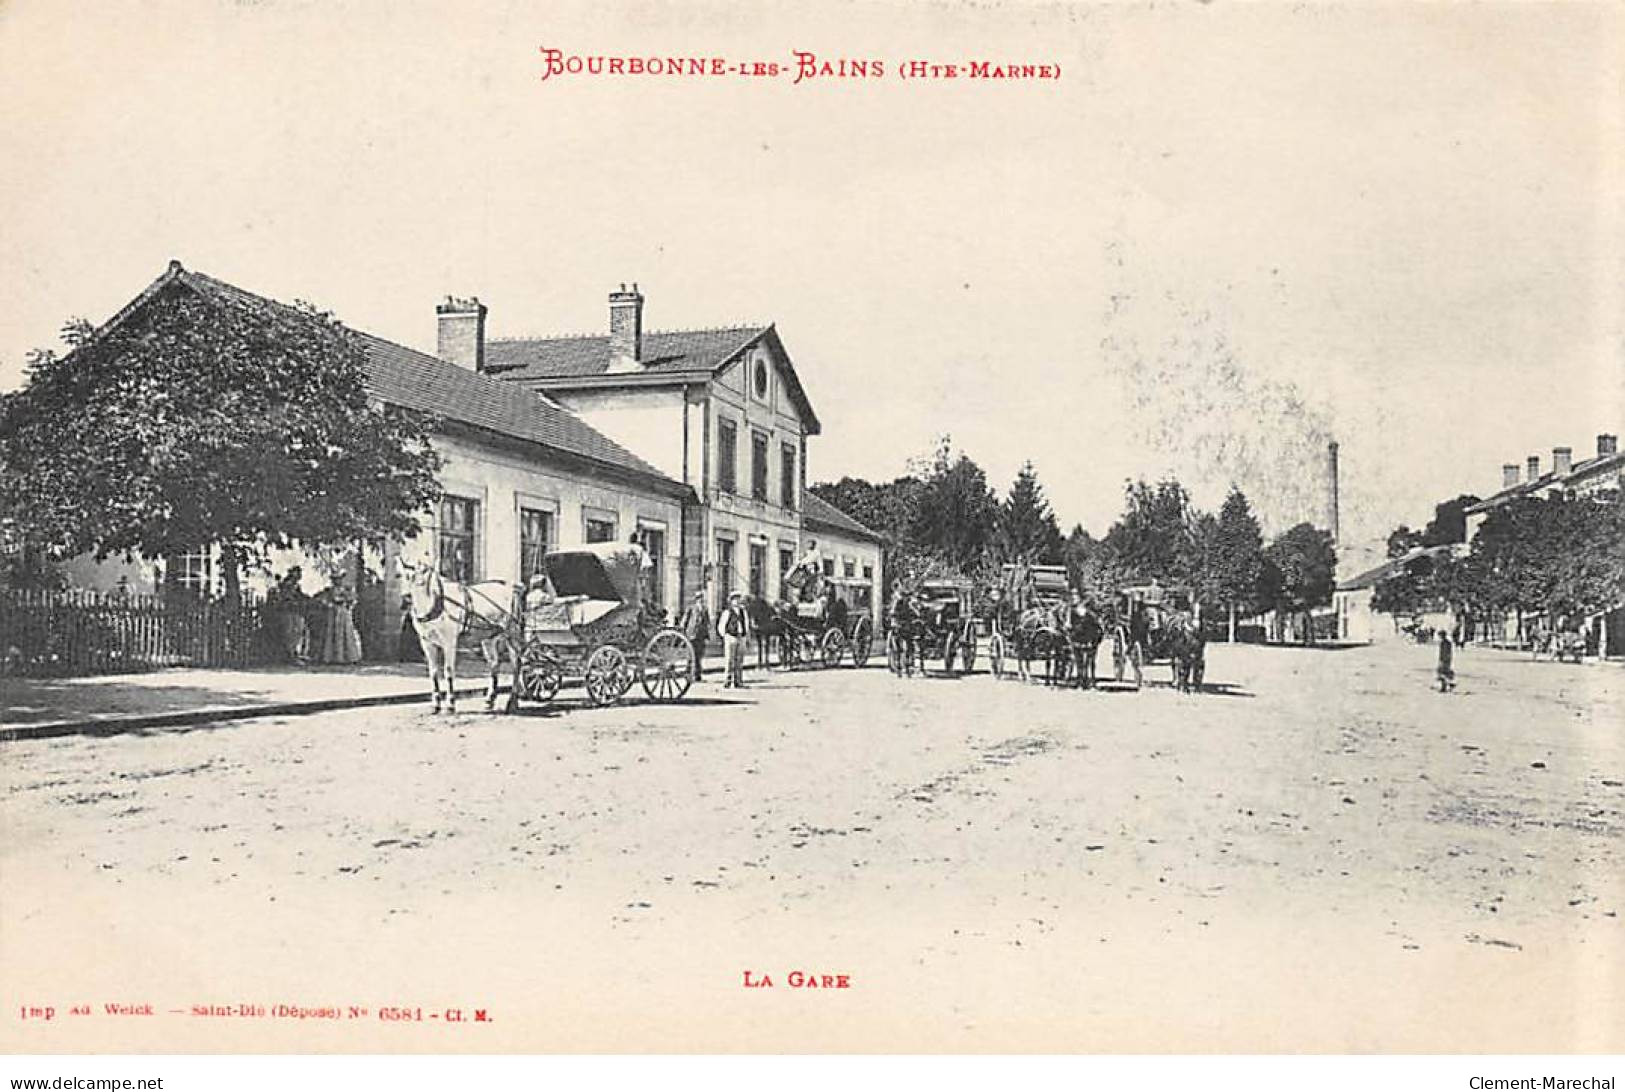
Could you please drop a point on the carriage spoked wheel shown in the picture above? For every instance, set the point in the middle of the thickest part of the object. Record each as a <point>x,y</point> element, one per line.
<point>995,654</point>
<point>667,660</point>
<point>832,648</point>
<point>608,675</point>
<point>863,639</point>
<point>539,678</point>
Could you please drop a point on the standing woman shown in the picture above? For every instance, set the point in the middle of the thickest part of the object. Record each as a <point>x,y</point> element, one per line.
<point>343,644</point>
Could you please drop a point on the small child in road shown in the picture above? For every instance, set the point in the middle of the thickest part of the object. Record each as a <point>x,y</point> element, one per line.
<point>1447,669</point>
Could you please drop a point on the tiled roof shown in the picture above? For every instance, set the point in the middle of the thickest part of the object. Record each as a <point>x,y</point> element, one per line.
<point>417,381</point>
<point>1586,468</point>
<point>818,510</point>
<point>1393,567</point>
<point>669,351</point>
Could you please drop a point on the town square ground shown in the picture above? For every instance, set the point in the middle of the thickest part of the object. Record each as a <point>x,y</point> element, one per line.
<point>1321,853</point>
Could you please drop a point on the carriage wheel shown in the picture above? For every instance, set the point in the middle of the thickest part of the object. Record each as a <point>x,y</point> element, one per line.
<point>608,675</point>
<point>995,654</point>
<point>863,639</point>
<point>667,661</point>
<point>833,647</point>
<point>539,677</point>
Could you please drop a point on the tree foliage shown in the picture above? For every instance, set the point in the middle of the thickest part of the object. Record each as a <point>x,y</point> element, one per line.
<point>198,421</point>
<point>1026,528</point>
<point>1301,569</point>
<point>957,513</point>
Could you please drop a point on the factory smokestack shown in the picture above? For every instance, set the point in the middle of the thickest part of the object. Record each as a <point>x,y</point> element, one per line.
<point>1331,490</point>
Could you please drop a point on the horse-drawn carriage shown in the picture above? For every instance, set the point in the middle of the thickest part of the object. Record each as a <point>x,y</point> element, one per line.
<point>586,615</point>
<point>936,622</point>
<point>1028,621</point>
<point>813,625</point>
<point>590,618</point>
<point>1156,623</point>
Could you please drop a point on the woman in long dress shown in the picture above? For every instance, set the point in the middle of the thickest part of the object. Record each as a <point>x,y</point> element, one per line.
<point>340,641</point>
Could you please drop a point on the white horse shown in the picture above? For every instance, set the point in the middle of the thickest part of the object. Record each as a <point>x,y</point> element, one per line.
<point>444,611</point>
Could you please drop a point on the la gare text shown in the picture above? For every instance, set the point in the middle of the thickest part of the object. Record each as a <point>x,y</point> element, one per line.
<point>798,980</point>
<point>800,67</point>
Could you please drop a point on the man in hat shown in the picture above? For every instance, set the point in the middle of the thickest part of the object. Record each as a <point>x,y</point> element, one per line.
<point>697,628</point>
<point>733,626</point>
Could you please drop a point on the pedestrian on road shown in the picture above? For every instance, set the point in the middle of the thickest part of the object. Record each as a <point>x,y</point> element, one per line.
<point>697,628</point>
<point>733,626</point>
<point>1447,668</point>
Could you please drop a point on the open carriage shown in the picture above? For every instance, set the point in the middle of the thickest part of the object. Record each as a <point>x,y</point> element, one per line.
<point>940,625</point>
<point>816,626</point>
<point>1143,632</point>
<point>1025,617</point>
<point>587,616</point>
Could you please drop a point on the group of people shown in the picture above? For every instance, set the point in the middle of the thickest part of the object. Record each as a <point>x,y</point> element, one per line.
<point>733,626</point>
<point>313,629</point>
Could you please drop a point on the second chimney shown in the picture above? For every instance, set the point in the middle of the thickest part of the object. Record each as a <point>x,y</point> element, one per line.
<point>462,332</point>
<point>1509,475</point>
<point>1534,467</point>
<point>625,329</point>
<point>1562,461</point>
<point>1607,444</point>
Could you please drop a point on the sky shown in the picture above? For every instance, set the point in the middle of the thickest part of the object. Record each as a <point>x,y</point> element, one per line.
<point>1224,236</point>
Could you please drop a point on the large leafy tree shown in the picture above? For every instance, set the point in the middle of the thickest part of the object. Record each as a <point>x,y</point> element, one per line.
<point>1154,540</point>
<point>1304,564</point>
<point>957,513</point>
<point>1449,522</point>
<point>201,420</point>
<point>1026,529</point>
<point>1558,556</point>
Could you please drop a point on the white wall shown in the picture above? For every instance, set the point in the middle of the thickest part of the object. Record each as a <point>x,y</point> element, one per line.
<point>647,422</point>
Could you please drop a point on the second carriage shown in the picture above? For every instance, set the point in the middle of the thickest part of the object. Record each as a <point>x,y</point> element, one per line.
<point>940,625</point>
<point>817,626</point>
<point>588,615</point>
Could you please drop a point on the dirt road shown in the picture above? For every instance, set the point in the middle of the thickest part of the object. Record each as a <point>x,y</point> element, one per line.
<point>1321,855</point>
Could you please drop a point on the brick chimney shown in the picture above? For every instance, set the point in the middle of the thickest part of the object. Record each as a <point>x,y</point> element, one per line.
<point>1534,467</point>
<point>625,329</point>
<point>462,332</point>
<point>1607,444</point>
<point>1509,475</point>
<point>1562,461</point>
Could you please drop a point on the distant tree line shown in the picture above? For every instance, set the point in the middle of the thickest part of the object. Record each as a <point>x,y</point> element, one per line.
<point>942,518</point>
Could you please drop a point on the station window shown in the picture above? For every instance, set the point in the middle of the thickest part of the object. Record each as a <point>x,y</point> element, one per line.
<point>727,456</point>
<point>458,538</point>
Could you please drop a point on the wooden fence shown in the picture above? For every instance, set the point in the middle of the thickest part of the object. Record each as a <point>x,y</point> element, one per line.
<point>92,633</point>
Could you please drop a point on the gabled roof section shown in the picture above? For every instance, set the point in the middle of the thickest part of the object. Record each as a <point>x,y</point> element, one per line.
<point>819,512</point>
<point>670,357</point>
<point>413,380</point>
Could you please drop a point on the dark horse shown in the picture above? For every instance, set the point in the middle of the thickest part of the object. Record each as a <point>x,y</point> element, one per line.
<point>1083,629</point>
<point>768,620</point>
<point>1187,649</point>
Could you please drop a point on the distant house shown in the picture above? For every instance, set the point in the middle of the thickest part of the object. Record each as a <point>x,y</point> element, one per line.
<point>521,474</point>
<point>1357,621</point>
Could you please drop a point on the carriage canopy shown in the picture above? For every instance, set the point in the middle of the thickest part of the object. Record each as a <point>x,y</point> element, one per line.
<point>606,571</point>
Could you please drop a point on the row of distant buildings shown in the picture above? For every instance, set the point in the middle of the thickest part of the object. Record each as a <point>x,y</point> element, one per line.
<point>1601,472</point>
<point>694,443</point>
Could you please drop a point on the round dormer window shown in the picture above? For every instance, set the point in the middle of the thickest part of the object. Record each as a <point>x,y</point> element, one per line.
<point>761,378</point>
